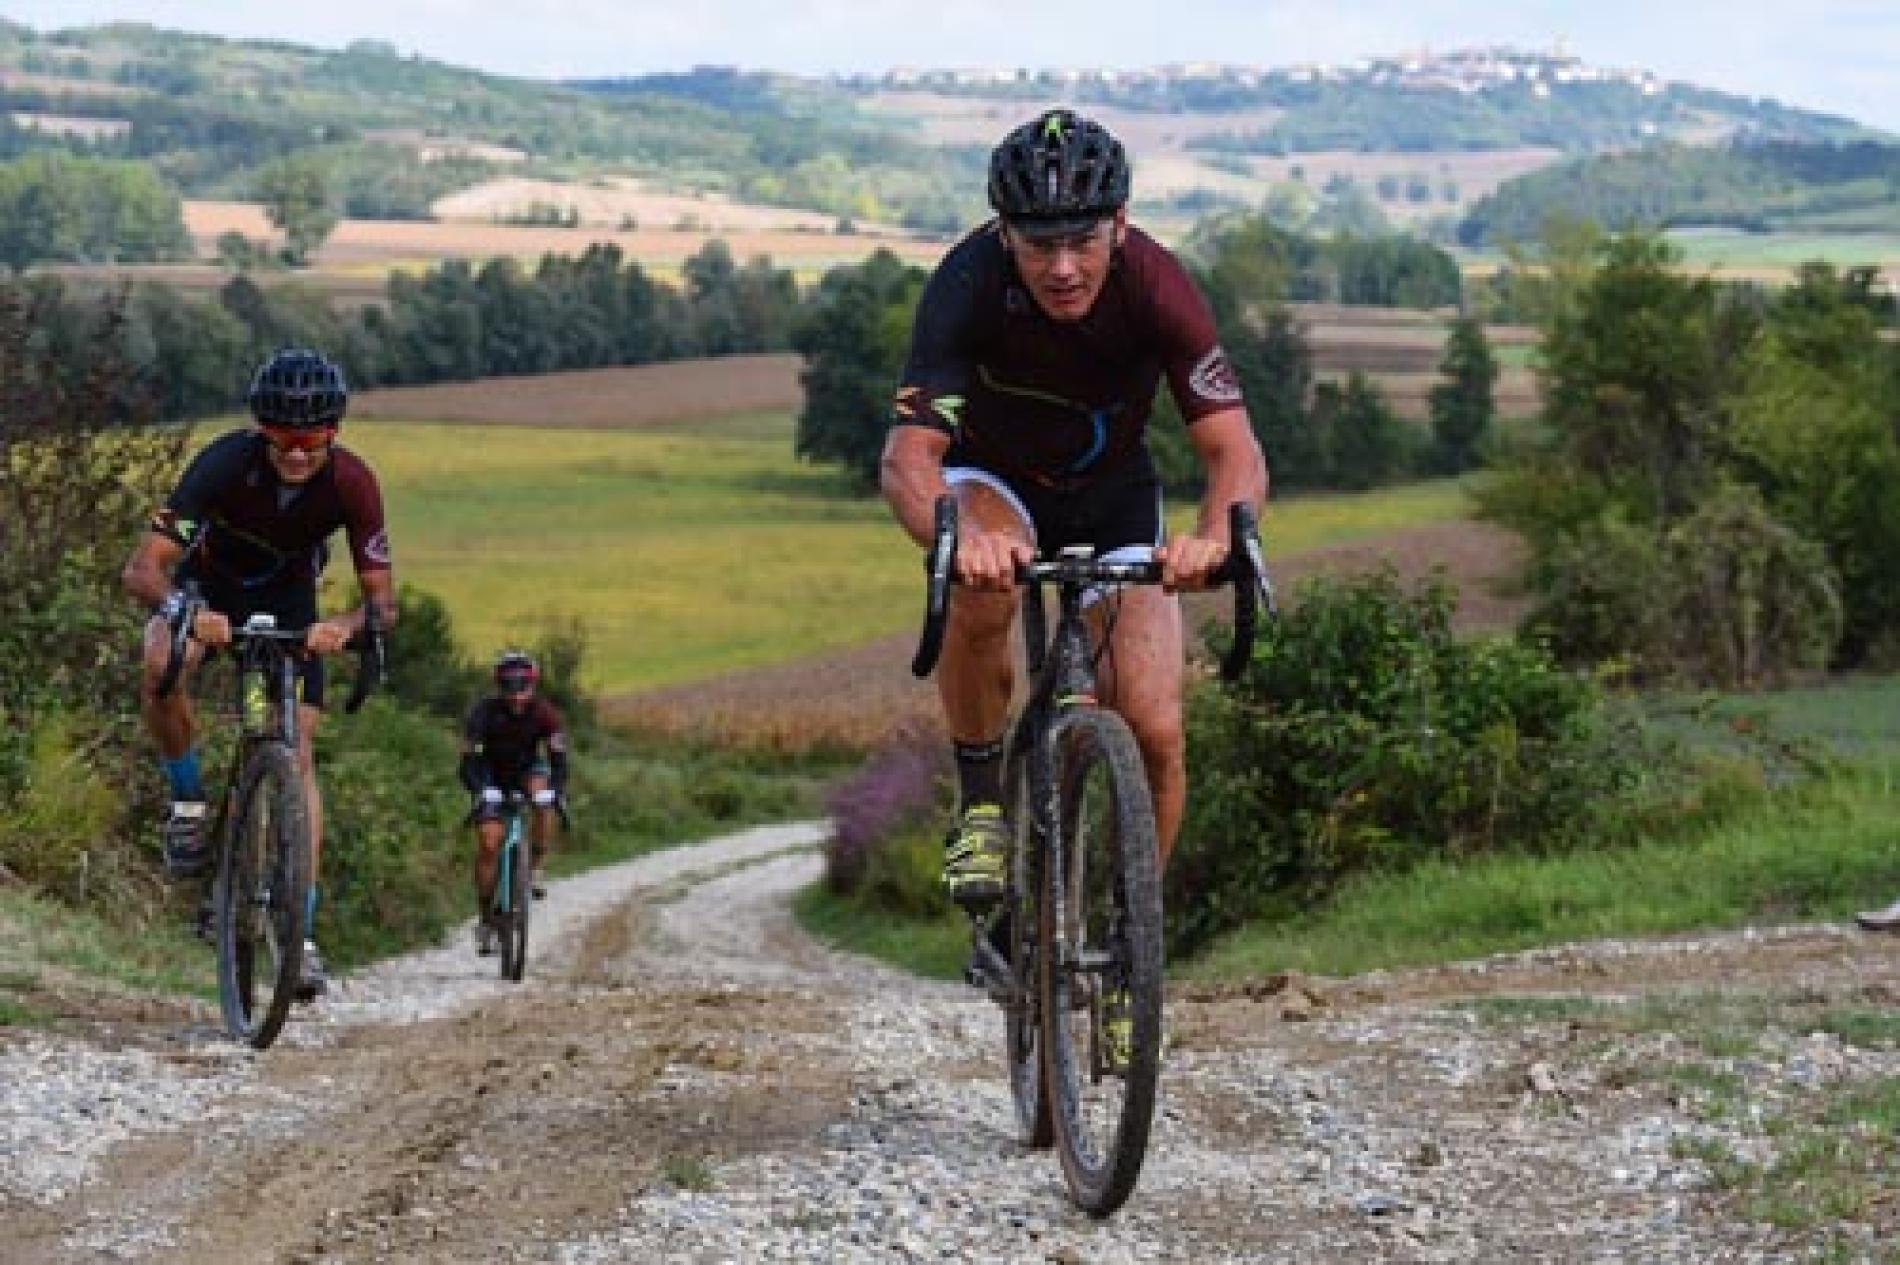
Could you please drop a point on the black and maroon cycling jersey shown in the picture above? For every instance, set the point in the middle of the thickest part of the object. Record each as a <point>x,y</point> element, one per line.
<point>1061,404</point>
<point>502,745</point>
<point>246,529</point>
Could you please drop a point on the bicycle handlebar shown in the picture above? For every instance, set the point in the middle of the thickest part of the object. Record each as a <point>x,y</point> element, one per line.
<point>373,666</point>
<point>1245,568</point>
<point>372,663</point>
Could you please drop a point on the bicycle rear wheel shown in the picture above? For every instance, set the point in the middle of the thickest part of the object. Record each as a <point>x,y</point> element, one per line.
<point>1103,895</point>
<point>522,898</point>
<point>263,880</point>
<point>1022,1015</point>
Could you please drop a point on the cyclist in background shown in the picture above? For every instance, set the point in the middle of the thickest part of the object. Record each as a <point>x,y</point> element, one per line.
<point>1037,348</point>
<point>245,532</point>
<point>513,740</point>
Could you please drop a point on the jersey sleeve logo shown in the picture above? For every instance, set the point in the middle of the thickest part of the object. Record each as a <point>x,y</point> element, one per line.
<point>1213,379</point>
<point>376,548</point>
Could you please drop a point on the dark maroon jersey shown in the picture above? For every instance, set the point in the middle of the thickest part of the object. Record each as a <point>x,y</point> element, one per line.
<point>1060,403</point>
<point>510,741</point>
<point>242,525</point>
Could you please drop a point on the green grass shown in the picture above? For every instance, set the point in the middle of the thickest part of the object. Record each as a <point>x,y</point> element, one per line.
<point>1818,851</point>
<point>696,549</point>
<point>1836,1161</point>
<point>935,949</point>
<point>156,957</point>
<point>686,552</point>
<point>1720,248</point>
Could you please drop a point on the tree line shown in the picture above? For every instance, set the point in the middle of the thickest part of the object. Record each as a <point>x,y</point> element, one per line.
<point>456,321</point>
<point>1747,184</point>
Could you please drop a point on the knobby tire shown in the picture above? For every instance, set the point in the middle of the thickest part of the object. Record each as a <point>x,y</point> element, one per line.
<point>1105,889</point>
<point>1028,1074</point>
<point>263,881</point>
<point>522,898</point>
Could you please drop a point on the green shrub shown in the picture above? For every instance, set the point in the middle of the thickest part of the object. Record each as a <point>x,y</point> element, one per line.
<point>1727,597</point>
<point>65,810</point>
<point>1365,737</point>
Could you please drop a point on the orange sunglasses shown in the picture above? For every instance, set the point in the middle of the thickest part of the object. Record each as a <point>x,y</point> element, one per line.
<point>299,440</point>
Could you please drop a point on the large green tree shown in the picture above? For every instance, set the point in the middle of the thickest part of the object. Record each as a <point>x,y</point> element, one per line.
<point>854,341</point>
<point>295,191</point>
<point>1462,404</point>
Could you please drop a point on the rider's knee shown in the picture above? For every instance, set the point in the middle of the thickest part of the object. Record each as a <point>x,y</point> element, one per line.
<point>1161,732</point>
<point>979,614</point>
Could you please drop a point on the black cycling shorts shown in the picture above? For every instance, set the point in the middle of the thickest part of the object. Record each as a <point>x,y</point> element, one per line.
<point>293,606</point>
<point>1124,515</point>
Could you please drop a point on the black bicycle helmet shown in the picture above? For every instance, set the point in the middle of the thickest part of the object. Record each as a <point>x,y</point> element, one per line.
<point>516,672</point>
<point>1058,173</point>
<point>298,388</point>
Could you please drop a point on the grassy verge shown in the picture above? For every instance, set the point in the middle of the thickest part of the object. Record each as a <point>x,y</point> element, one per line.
<point>157,956</point>
<point>935,949</point>
<point>1816,848</point>
<point>1818,852</point>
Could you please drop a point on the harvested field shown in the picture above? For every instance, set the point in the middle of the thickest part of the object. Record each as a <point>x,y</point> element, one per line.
<point>855,698</point>
<point>392,243</point>
<point>1409,393</point>
<point>631,396</point>
<point>614,201</point>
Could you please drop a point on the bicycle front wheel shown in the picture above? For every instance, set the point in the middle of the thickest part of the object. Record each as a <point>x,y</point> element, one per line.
<point>521,896</point>
<point>1022,1015</point>
<point>1101,976</point>
<point>263,881</point>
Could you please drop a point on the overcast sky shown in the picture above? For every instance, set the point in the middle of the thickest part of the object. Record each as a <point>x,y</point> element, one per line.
<point>1841,56</point>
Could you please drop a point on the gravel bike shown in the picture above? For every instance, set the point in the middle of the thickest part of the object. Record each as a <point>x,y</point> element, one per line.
<point>261,829</point>
<point>513,900</point>
<point>1080,923</point>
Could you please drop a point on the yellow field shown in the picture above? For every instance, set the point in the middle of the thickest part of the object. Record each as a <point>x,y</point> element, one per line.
<point>687,550</point>
<point>695,548</point>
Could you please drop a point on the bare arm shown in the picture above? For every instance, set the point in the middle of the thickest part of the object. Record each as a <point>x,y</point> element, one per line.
<point>913,480</point>
<point>147,576</point>
<point>911,474</point>
<point>327,636</point>
<point>1236,471</point>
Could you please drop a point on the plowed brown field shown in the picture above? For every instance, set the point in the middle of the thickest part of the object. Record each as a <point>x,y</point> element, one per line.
<point>634,395</point>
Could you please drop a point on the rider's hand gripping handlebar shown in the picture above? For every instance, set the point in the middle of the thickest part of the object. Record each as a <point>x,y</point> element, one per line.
<point>1245,569</point>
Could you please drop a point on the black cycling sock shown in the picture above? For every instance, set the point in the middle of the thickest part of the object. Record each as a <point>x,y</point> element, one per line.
<point>979,772</point>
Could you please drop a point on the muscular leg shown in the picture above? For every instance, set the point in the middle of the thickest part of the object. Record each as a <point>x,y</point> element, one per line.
<point>487,863</point>
<point>1141,677</point>
<point>169,719</point>
<point>307,721</point>
<point>541,824</point>
<point>974,672</point>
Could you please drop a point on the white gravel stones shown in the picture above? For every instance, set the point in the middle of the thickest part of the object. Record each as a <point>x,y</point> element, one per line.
<point>64,1104</point>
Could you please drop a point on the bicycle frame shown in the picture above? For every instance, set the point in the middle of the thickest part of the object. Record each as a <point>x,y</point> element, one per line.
<point>509,855</point>
<point>1062,665</point>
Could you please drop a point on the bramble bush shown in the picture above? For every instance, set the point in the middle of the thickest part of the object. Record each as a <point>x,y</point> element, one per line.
<point>1364,737</point>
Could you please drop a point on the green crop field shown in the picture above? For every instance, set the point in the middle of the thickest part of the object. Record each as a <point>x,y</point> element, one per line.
<point>695,548</point>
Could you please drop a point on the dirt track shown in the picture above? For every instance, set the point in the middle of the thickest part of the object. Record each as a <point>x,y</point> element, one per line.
<point>686,1077</point>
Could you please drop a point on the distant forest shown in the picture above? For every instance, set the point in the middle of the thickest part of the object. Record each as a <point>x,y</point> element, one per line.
<point>1754,186</point>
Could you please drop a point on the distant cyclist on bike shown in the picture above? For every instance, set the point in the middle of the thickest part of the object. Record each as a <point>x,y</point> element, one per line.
<point>1037,348</point>
<point>245,532</point>
<point>513,740</point>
